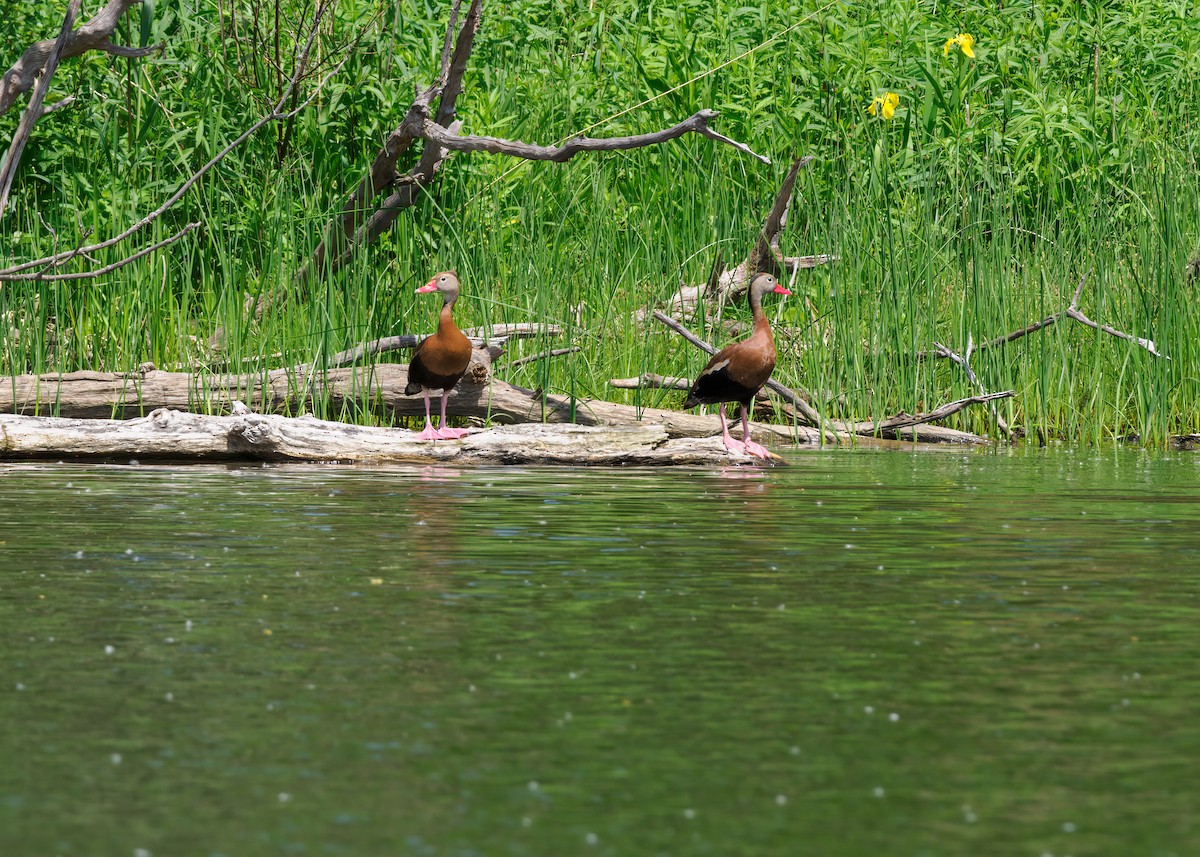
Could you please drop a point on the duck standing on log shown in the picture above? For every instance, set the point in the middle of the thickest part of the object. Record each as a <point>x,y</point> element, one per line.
<point>737,372</point>
<point>441,359</point>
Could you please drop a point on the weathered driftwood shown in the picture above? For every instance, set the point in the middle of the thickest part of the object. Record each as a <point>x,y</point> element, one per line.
<point>891,426</point>
<point>179,436</point>
<point>963,361</point>
<point>379,389</point>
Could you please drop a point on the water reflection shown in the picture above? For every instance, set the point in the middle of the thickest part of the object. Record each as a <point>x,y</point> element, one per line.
<point>952,653</point>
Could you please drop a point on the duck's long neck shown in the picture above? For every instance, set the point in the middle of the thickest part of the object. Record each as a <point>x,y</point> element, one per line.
<point>760,318</point>
<point>446,319</point>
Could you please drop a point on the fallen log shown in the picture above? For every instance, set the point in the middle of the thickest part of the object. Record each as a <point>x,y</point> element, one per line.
<point>178,436</point>
<point>375,389</point>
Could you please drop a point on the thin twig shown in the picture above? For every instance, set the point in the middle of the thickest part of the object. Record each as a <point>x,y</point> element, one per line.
<point>275,115</point>
<point>541,355</point>
<point>964,362</point>
<point>107,269</point>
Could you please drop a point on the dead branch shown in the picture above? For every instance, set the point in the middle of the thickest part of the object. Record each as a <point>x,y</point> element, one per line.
<point>277,113</point>
<point>695,124</point>
<point>361,221</point>
<point>1073,312</point>
<point>541,355</point>
<point>964,363</point>
<point>939,413</point>
<point>798,399</point>
<point>651,381</point>
<point>33,112</point>
<point>95,35</point>
<point>106,269</point>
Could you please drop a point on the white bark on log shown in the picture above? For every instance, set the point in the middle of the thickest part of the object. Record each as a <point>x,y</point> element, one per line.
<point>178,436</point>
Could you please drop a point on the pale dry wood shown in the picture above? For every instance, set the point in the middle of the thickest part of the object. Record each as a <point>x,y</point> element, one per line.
<point>541,355</point>
<point>173,435</point>
<point>900,421</point>
<point>651,381</point>
<point>95,35</point>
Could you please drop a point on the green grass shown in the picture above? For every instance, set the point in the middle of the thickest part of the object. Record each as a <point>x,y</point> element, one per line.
<point>1064,149</point>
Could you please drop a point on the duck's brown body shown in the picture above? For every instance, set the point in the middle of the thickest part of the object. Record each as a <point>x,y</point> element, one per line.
<point>440,361</point>
<point>737,372</point>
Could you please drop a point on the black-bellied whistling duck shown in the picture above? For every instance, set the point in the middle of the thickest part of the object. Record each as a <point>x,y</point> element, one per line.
<point>440,360</point>
<point>737,372</point>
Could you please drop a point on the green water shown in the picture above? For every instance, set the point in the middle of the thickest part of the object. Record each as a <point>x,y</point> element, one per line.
<point>861,654</point>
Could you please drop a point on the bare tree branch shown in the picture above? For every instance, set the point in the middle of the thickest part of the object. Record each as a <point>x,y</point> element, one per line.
<point>33,112</point>
<point>728,284</point>
<point>362,222</point>
<point>696,124</point>
<point>276,114</point>
<point>541,355</point>
<point>58,105</point>
<point>1073,312</point>
<point>963,363</point>
<point>96,34</point>
<point>938,413</point>
<point>107,269</point>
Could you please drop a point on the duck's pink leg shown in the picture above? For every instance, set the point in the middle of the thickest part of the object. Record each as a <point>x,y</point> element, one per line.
<point>444,431</point>
<point>429,433</point>
<point>726,437</point>
<point>751,447</point>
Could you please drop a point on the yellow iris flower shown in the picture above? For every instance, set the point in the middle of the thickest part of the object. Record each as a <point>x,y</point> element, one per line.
<point>885,104</point>
<point>964,41</point>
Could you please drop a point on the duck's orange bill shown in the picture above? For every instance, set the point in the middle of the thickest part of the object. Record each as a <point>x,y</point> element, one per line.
<point>779,289</point>
<point>428,287</point>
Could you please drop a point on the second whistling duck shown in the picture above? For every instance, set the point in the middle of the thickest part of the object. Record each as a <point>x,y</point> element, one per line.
<point>737,372</point>
<point>441,359</point>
